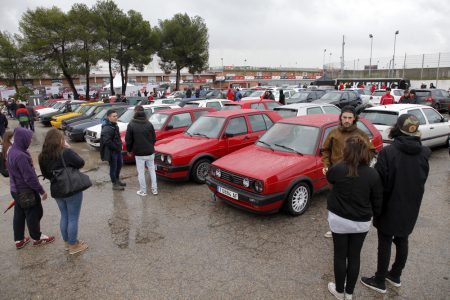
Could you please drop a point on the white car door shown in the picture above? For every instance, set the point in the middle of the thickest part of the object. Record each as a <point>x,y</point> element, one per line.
<point>439,128</point>
<point>424,127</point>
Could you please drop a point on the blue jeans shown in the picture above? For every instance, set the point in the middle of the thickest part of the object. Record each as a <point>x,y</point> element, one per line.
<point>115,165</point>
<point>70,213</point>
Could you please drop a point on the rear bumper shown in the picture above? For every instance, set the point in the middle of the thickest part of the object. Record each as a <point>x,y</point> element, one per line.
<point>246,200</point>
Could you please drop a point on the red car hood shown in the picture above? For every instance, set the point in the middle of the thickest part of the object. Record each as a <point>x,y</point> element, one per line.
<point>262,163</point>
<point>183,145</point>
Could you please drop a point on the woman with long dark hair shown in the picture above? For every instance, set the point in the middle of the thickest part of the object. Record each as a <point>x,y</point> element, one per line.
<point>54,151</point>
<point>355,197</point>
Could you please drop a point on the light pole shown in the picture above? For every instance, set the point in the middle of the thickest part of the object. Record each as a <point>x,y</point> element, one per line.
<point>370,60</point>
<point>223,73</point>
<point>329,62</point>
<point>323,65</point>
<point>393,56</point>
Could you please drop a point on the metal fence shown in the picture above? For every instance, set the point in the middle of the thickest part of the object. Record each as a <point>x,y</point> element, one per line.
<point>418,66</point>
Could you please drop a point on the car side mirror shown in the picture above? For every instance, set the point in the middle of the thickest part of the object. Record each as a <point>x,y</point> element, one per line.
<point>228,134</point>
<point>444,119</point>
<point>169,127</point>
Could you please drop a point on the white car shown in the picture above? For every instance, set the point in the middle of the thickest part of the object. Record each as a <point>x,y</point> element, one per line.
<point>376,95</point>
<point>302,109</point>
<point>434,127</point>
<point>215,103</point>
<point>92,134</point>
<point>49,110</point>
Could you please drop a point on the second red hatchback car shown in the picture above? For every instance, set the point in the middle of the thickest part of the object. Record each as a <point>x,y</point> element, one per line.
<point>282,169</point>
<point>189,155</point>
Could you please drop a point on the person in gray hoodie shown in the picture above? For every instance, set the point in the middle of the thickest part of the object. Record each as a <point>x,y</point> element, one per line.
<point>23,179</point>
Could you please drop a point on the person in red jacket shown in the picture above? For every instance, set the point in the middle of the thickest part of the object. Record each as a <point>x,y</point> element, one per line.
<point>341,86</point>
<point>373,88</point>
<point>387,98</point>
<point>23,116</point>
<point>230,93</point>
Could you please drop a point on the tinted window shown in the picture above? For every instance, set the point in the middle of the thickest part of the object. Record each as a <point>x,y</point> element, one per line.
<point>257,122</point>
<point>364,128</point>
<point>190,104</point>
<point>200,113</point>
<point>214,104</point>
<point>314,111</point>
<point>272,105</point>
<point>259,106</point>
<point>237,126</point>
<point>432,115</point>
<point>418,114</point>
<point>436,93</point>
<point>181,120</point>
<point>331,110</point>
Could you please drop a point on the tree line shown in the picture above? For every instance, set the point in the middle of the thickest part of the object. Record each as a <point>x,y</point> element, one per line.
<point>52,42</point>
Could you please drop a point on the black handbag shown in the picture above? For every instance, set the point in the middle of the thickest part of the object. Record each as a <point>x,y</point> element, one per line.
<point>26,199</point>
<point>68,181</point>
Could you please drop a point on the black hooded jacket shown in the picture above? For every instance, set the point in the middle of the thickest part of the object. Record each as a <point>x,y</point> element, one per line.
<point>140,137</point>
<point>109,140</point>
<point>403,168</point>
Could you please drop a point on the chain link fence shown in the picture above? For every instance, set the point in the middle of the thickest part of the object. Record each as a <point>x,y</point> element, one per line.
<point>434,66</point>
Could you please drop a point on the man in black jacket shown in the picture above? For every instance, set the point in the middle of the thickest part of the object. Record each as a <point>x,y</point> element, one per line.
<point>403,168</point>
<point>111,148</point>
<point>140,140</point>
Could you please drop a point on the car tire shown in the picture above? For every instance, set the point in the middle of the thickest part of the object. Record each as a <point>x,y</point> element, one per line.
<point>298,200</point>
<point>200,170</point>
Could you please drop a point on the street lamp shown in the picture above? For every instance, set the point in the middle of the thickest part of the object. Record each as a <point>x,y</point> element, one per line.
<point>393,56</point>
<point>370,60</point>
<point>331,65</point>
<point>323,65</point>
<point>222,62</point>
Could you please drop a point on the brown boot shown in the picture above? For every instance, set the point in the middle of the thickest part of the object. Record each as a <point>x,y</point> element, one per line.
<point>78,247</point>
<point>67,245</point>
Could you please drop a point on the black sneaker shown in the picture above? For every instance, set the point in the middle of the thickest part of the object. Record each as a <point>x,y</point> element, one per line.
<point>395,281</point>
<point>117,187</point>
<point>121,183</point>
<point>371,283</point>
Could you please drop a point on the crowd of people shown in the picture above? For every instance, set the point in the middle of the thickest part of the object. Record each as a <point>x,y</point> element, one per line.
<point>388,194</point>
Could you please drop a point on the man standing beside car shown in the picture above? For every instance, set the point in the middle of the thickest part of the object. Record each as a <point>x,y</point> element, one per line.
<point>140,140</point>
<point>387,98</point>
<point>111,148</point>
<point>333,147</point>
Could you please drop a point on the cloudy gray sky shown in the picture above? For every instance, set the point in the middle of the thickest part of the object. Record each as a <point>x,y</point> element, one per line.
<point>290,32</point>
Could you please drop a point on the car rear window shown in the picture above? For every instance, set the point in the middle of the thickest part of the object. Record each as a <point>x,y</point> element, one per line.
<point>231,107</point>
<point>380,93</point>
<point>388,118</point>
<point>286,112</point>
<point>423,93</point>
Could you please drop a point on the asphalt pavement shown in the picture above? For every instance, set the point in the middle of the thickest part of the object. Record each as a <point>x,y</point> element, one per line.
<point>181,245</point>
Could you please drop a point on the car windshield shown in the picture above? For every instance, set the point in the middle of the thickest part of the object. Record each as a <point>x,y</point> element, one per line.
<point>101,113</point>
<point>127,116</point>
<point>388,118</point>
<point>90,110</point>
<point>158,120</point>
<point>299,96</point>
<point>332,96</point>
<point>286,112</point>
<point>258,93</point>
<point>231,107</point>
<point>84,108</point>
<point>209,127</point>
<point>59,105</point>
<point>300,139</point>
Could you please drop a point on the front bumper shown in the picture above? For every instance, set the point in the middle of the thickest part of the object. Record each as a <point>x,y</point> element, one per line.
<point>93,142</point>
<point>75,136</point>
<point>172,173</point>
<point>56,124</point>
<point>246,200</point>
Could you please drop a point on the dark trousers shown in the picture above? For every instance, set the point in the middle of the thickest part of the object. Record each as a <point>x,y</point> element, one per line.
<point>32,216</point>
<point>32,125</point>
<point>115,165</point>
<point>25,124</point>
<point>384,256</point>
<point>347,252</point>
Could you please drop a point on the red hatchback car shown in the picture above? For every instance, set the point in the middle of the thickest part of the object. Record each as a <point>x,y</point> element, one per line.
<point>189,155</point>
<point>251,104</point>
<point>169,122</point>
<point>282,169</point>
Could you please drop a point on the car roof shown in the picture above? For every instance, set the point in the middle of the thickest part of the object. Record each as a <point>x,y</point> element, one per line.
<point>301,105</point>
<point>185,109</point>
<point>312,120</point>
<point>207,100</point>
<point>396,107</point>
<point>236,112</point>
<point>251,101</point>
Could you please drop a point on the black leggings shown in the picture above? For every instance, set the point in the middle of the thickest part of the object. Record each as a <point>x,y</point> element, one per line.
<point>32,216</point>
<point>347,251</point>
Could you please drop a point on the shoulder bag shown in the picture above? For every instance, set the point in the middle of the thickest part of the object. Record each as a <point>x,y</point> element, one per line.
<point>68,181</point>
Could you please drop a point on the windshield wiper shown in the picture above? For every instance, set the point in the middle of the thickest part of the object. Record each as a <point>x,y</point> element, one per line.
<point>200,134</point>
<point>267,144</point>
<point>288,148</point>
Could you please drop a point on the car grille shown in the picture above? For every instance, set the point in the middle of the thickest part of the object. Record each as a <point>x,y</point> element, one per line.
<point>91,134</point>
<point>235,179</point>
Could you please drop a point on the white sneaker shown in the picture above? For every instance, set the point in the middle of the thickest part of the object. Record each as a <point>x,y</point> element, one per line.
<point>332,289</point>
<point>141,193</point>
<point>154,191</point>
<point>328,234</point>
<point>348,297</point>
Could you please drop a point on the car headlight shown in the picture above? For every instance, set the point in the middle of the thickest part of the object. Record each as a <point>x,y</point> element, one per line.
<point>246,182</point>
<point>162,157</point>
<point>258,186</point>
<point>218,173</point>
<point>169,159</point>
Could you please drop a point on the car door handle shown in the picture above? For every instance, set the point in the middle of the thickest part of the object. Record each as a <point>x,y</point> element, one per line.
<point>431,127</point>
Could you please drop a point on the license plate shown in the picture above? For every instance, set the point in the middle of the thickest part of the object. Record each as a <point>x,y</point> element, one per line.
<point>227,192</point>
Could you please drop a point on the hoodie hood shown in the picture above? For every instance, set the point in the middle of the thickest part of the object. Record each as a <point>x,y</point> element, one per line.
<point>408,144</point>
<point>22,138</point>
